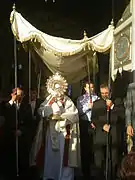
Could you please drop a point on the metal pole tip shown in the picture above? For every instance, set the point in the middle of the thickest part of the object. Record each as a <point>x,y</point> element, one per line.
<point>14,6</point>
<point>112,22</point>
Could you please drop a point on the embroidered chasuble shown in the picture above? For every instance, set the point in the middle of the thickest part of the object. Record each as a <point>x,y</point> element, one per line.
<point>62,142</point>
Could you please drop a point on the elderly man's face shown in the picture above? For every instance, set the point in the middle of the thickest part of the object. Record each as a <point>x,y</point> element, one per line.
<point>104,92</point>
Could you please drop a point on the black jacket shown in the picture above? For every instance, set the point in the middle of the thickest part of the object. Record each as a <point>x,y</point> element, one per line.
<point>24,114</point>
<point>99,118</point>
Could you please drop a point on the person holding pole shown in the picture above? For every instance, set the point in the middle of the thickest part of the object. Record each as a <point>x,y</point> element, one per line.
<point>84,106</point>
<point>103,126</point>
<point>24,113</point>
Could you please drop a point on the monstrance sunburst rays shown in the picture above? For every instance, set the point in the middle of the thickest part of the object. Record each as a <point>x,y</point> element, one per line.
<point>56,85</point>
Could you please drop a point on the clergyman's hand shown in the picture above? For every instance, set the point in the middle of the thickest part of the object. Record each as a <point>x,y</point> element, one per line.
<point>130,130</point>
<point>106,127</point>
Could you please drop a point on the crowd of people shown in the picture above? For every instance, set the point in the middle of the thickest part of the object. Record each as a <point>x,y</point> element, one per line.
<point>53,139</point>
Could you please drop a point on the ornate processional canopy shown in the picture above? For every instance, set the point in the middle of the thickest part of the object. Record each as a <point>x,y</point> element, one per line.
<point>71,54</point>
<point>56,85</point>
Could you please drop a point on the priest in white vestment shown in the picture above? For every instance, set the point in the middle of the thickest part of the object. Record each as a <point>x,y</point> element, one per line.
<point>60,125</point>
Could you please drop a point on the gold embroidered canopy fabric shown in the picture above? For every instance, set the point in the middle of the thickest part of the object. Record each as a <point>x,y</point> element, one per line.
<point>69,57</point>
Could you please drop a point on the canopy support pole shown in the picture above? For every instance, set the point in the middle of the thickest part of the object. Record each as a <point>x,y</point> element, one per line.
<point>89,80</point>
<point>29,74</point>
<point>94,67</point>
<point>16,113</point>
<point>108,143</point>
<point>39,84</point>
<point>87,47</point>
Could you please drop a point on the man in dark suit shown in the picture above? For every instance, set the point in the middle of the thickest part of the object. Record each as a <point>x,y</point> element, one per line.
<point>18,105</point>
<point>102,129</point>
